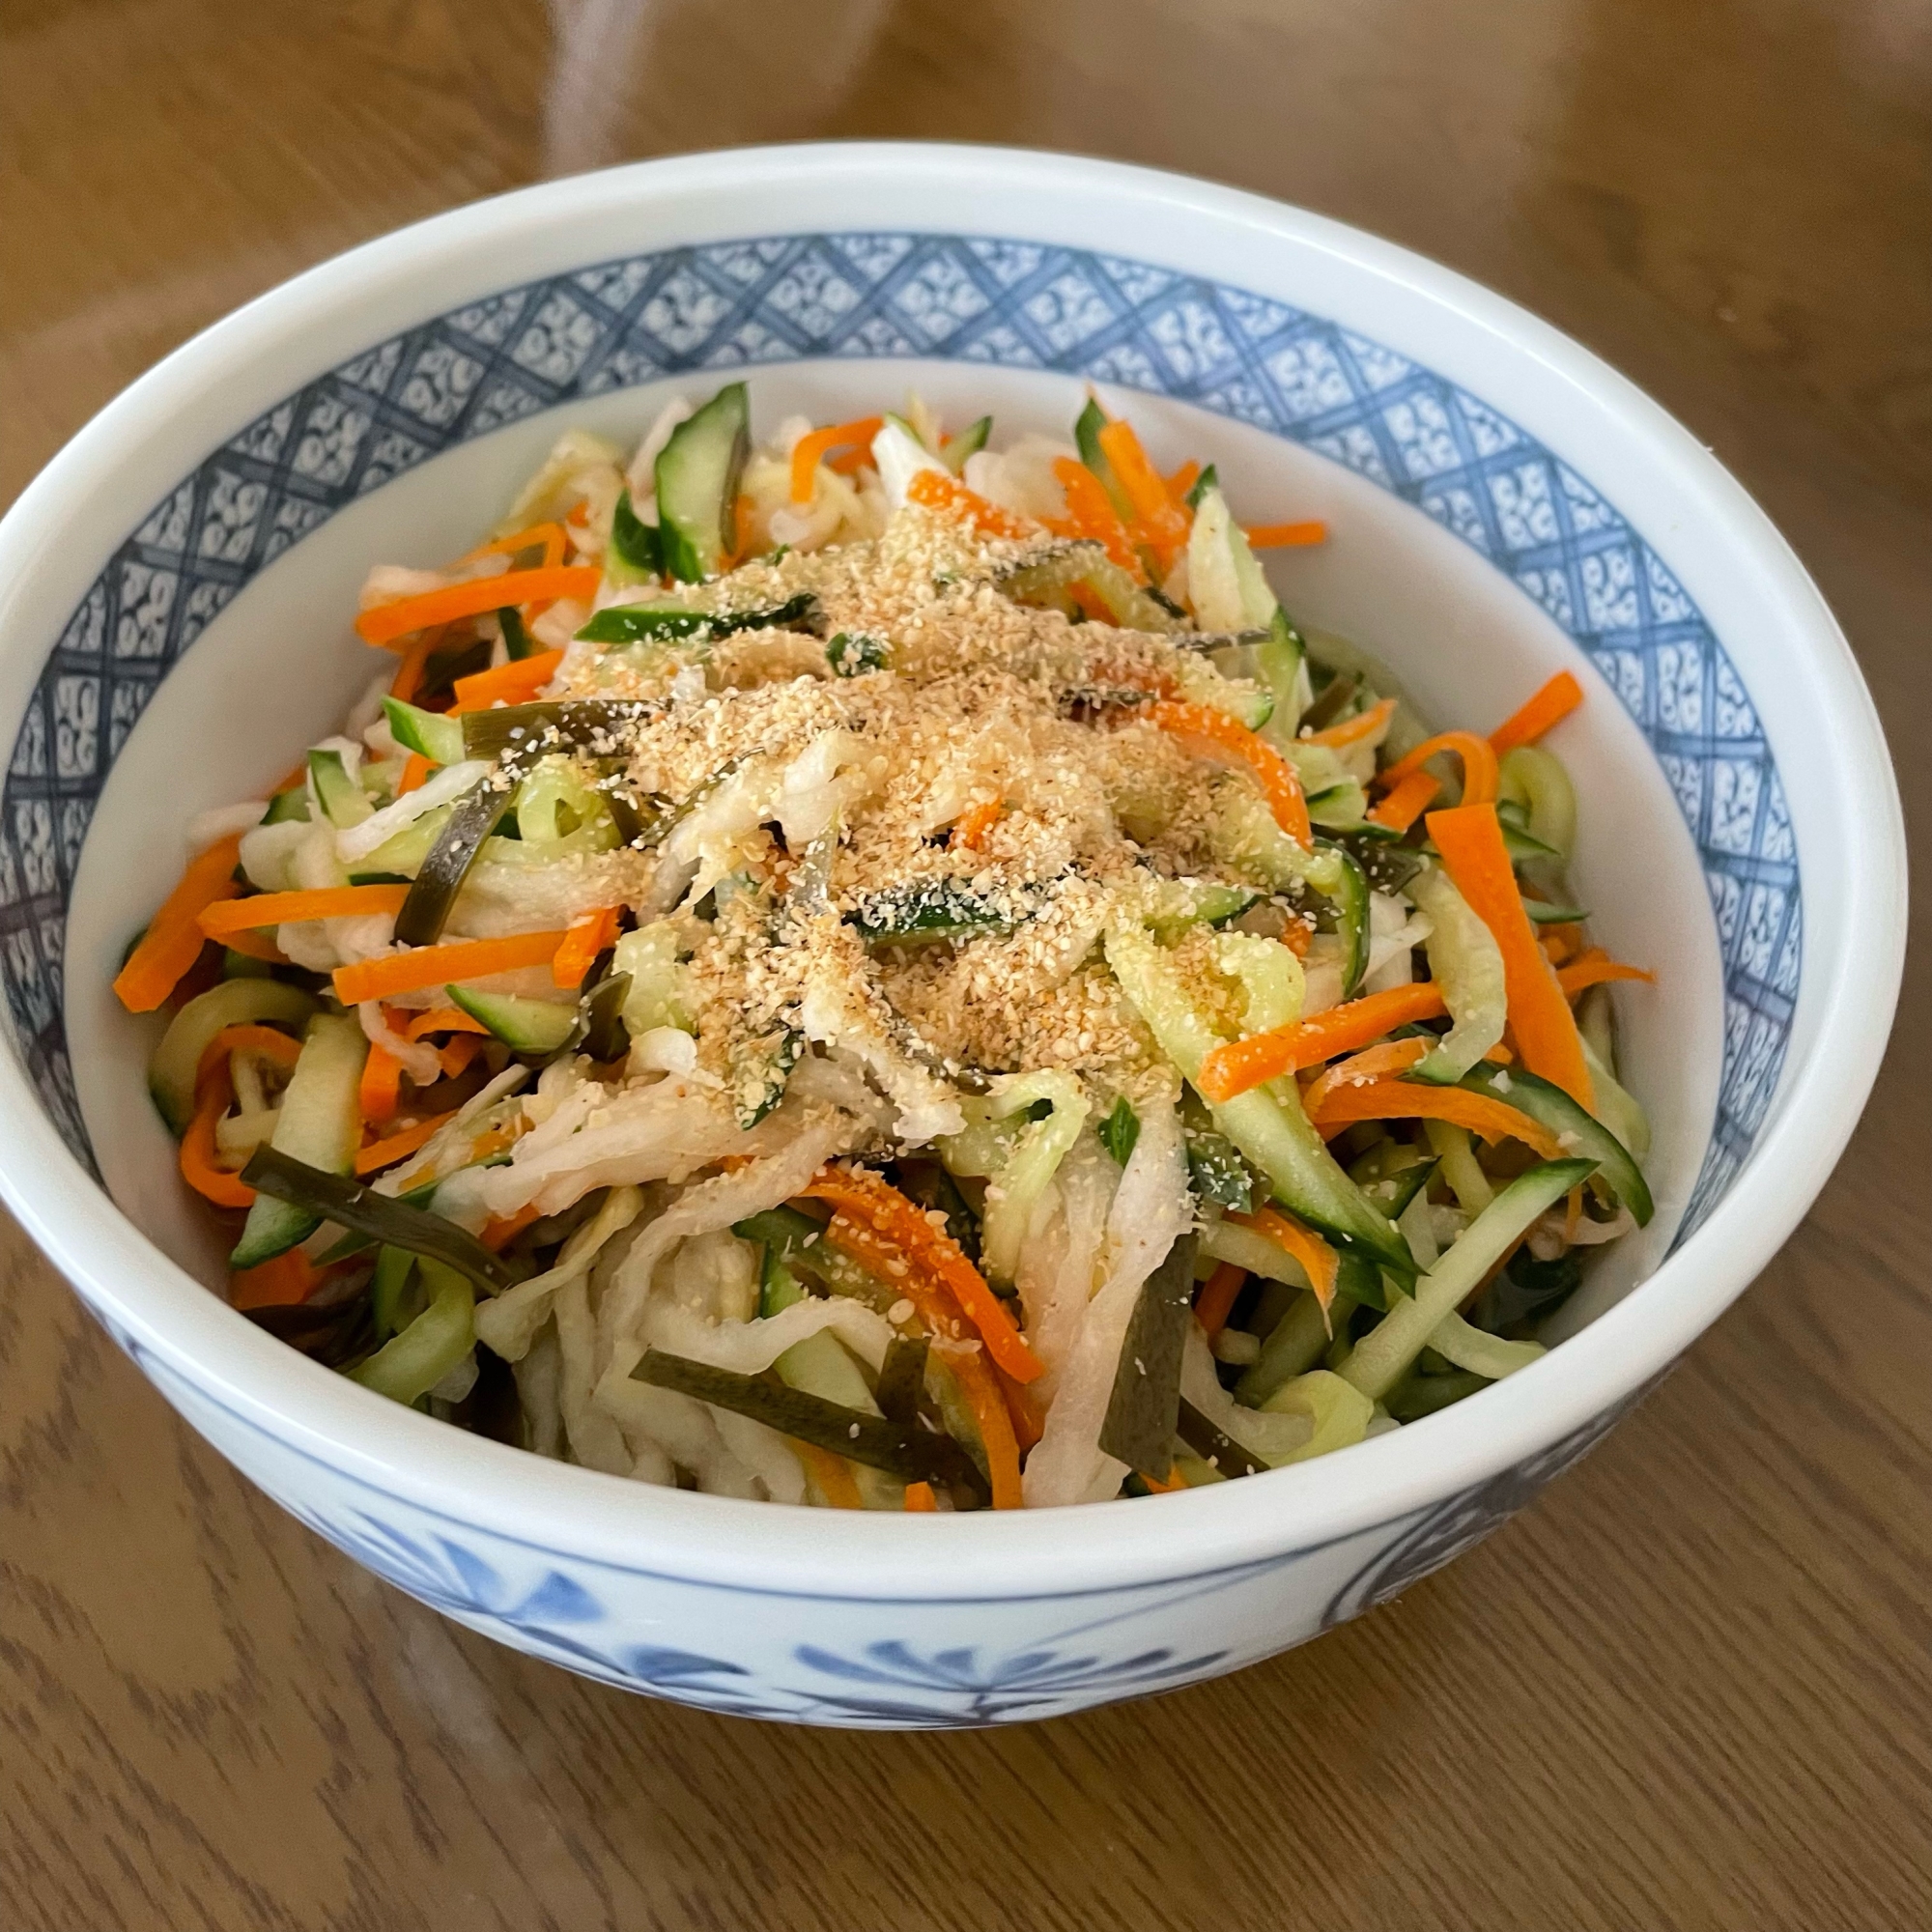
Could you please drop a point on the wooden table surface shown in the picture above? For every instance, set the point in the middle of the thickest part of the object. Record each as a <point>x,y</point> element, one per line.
<point>1692,1686</point>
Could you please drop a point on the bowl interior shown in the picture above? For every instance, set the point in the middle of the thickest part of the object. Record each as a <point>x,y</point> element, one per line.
<point>278,665</point>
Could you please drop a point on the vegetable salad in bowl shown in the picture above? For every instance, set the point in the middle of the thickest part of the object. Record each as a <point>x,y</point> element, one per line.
<point>877,971</point>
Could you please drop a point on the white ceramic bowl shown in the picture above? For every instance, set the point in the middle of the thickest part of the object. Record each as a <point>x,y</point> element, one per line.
<point>1501,503</point>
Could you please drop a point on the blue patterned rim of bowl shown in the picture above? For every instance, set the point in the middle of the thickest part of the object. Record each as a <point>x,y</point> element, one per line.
<point>1017,304</point>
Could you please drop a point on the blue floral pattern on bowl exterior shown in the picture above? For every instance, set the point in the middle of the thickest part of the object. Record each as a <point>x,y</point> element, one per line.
<point>1008,302</point>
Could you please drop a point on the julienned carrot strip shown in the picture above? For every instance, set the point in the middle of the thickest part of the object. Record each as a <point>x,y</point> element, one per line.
<point>231,916</point>
<point>1594,970</point>
<point>173,940</point>
<point>935,490</point>
<point>383,623</point>
<point>973,824</point>
<point>863,1195</point>
<point>1374,1063</point>
<point>832,1473</point>
<point>197,1149</point>
<point>415,773</point>
<point>582,945</point>
<point>405,1141</point>
<point>1556,701</point>
<point>1174,1481</point>
<point>1479,764</point>
<point>458,1054</point>
<point>1276,777</point>
<point>1180,482</point>
<point>246,1037</point>
<point>1286,536</point>
<point>810,451</point>
<point>442,1019</point>
<point>288,1279</point>
<point>421,966</point>
<point>983,1389</point>
<point>1234,1069</point>
<point>1470,840</point>
<point>1319,1260</point>
<point>382,1088</point>
<point>1353,730</point>
<point>549,535</point>
<point>514,683</point>
<point>919,1500</point>
<point>1092,514</point>
<point>409,677</point>
<point>1217,1297</point>
<point>1410,1100</point>
<point>1409,799</point>
<point>500,1230</point>
<point>1161,526</point>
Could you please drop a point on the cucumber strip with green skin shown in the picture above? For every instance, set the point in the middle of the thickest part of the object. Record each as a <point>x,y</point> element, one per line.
<point>697,472</point>
<point>1087,428</point>
<point>337,1197</point>
<point>778,1287</point>
<point>234,1003</point>
<point>342,800</point>
<point>1388,1351</point>
<point>970,441</point>
<point>437,738</point>
<point>518,643</point>
<point>1417,1396</point>
<point>1209,479</point>
<point>1266,1124</point>
<point>1145,1405</point>
<point>912,1454</point>
<point>1172,905</point>
<point>402,857</point>
<point>1297,1343</point>
<point>393,1269</point>
<point>1542,913</point>
<point>317,1127</point>
<point>645,623</point>
<point>1393,1189</point>
<point>1279,658</point>
<point>288,805</point>
<point>408,1366</point>
<point>854,653</point>
<point>1350,899</point>
<point>440,877</point>
<point>902,1376</point>
<point>605,1035</point>
<point>1552,1107</point>
<point>1218,1174</point>
<point>525,1026</point>
<point>553,725</point>
<point>635,555</point>
<point>926,910</point>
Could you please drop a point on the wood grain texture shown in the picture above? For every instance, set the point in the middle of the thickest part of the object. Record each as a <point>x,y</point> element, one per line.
<point>1693,1687</point>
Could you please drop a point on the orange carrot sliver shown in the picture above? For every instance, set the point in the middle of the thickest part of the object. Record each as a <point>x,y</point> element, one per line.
<point>458,1054</point>
<point>1286,536</point>
<point>984,1392</point>
<point>415,773</point>
<point>197,1149</point>
<point>549,535</point>
<point>1353,730</point>
<point>405,1141</point>
<point>1180,483</point>
<point>1279,784</point>
<point>408,676</point>
<point>970,827</point>
<point>280,1283</point>
<point>174,937</point>
<point>231,916</point>
<point>1091,512</point>
<point>382,1086</point>
<point>1217,1297</point>
<point>832,1473</point>
<point>867,1197</point>
<point>246,1037</point>
<point>809,451</point>
<point>1161,526</point>
<point>935,490</point>
<point>919,1500</point>
<point>1374,1063</point>
<point>500,1230</point>
<point>1556,701</point>
<point>1410,1100</point>
<point>1470,840</point>
<point>442,1019</point>
<point>1479,764</point>
<point>1234,1069</point>
<point>514,683</point>
<point>1596,971</point>
<point>1317,1258</point>
<point>1411,798</point>
<point>383,623</point>
<point>582,945</point>
<point>421,966</point>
